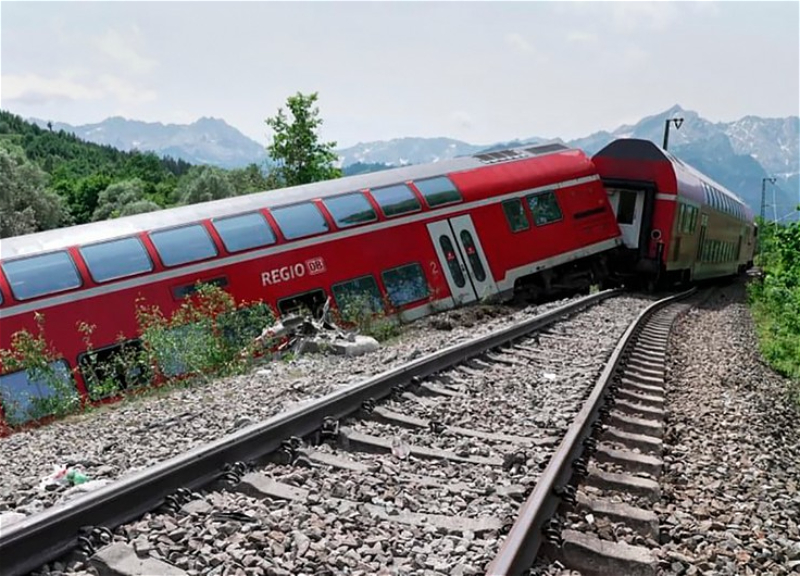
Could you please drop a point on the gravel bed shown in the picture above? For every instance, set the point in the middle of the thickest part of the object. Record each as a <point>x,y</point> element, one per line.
<point>112,441</point>
<point>731,483</point>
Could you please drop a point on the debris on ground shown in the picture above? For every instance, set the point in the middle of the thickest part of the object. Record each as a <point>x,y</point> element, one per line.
<point>298,334</point>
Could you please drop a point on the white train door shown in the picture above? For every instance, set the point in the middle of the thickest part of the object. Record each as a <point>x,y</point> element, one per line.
<point>628,206</point>
<point>462,259</point>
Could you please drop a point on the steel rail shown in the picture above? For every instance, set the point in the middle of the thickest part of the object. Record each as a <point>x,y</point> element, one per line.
<point>521,546</point>
<point>46,536</point>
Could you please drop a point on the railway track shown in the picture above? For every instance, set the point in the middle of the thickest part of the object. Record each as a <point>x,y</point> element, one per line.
<point>605,523</point>
<point>422,469</point>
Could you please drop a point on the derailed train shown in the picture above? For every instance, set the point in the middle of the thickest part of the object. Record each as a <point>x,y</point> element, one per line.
<point>531,220</point>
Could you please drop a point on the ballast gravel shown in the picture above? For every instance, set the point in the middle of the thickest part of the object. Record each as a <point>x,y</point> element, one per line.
<point>332,531</point>
<point>731,483</point>
<point>112,441</point>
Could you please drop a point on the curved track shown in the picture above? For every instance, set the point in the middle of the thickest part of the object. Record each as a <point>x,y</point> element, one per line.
<point>442,427</point>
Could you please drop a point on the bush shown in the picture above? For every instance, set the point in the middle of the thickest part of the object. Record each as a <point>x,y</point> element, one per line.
<point>365,312</point>
<point>208,334</point>
<point>775,301</point>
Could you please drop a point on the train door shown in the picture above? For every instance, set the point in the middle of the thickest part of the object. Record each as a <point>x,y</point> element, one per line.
<point>628,206</point>
<point>462,259</point>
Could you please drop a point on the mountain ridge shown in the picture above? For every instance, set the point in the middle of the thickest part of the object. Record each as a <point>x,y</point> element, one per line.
<point>744,151</point>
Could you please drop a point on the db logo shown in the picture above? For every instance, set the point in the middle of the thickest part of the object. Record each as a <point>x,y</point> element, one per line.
<point>315,266</point>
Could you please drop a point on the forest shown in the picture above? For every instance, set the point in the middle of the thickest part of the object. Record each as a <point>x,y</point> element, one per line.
<point>51,179</point>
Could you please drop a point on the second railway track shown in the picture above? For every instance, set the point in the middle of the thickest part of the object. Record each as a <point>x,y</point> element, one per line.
<point>421,470</point>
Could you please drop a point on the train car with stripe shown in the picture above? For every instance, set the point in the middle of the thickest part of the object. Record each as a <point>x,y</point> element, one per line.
<point>420,238</point>
<point>677,224</point>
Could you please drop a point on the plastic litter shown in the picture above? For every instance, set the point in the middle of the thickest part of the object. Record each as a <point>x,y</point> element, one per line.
<point>63,476</point>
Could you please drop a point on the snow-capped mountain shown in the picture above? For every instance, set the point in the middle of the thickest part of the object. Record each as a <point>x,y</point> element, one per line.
<point>206,141</point>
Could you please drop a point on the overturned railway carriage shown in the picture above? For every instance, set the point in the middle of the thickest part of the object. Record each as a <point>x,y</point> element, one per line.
<point>677,224</point>
<point>416,238</point>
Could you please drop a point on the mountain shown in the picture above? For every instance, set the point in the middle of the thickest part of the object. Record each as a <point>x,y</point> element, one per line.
<point>206,141</point>
<point>401,151</point>
<point>737,154</point>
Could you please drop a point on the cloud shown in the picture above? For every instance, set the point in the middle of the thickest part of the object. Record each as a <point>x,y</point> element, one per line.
<point>631,16</point>
<point>461,119</point>
<point>516,41</point>
<point>579,36</point>
<point>520,44</point>
<point>120,49</point>
<point>35,89</point>
<point>125,92</point>
<point>32,88</point>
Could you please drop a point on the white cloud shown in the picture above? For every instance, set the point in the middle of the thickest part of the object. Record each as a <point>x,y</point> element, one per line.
<point>631,16</point>
<point>579,36</point>
<point>35,89</point>
<point>121,50</point>
<point>521,45</point>
<point>461,119</point>
<point>32,88</point>
<point>125,92</point>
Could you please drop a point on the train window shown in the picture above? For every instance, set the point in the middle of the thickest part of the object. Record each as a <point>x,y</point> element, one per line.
<point>438,191</point>
<point>544,208</point>
<point>39,275</point>
<point>515,215</point>
<point>396,200</point>
<point>183,245</point>
<point>244,232</point>
<point>452,260</point>
<point>682,218</point>
<point>116,259</point>
<point>113,368</point>
<point>358,292</point>
<point>626,208</point>
<point>473,256</point>
<point>30,395</point>
<point>350,209</point>
<point>312,301</point>
<point>187,289</point>
<point>183,349</point>
<point>300,220</point>
<point>405,284</point>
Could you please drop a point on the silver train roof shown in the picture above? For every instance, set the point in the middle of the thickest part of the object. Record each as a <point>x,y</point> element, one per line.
<point>61,238</point>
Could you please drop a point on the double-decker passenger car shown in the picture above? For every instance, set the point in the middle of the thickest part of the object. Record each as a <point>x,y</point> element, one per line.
<point>677,224</point>
<point>418,237</point>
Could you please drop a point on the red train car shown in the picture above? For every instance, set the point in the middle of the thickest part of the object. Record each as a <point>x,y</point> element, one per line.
<point>678,225</point>
<point>420,237</point>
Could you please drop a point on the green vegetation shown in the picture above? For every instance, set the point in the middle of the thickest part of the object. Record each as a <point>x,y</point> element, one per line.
<point>775,300</point>
<point>53,179</point>
<point>363,312</point>
<point>209,335</point>
<point>299,155</point>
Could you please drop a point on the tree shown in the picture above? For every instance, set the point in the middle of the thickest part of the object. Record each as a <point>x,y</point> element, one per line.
<point>25,204</point>
<point>139,207</point>
<point>202,184</point>
<point>300,156</point>
<point>114,199</point>
<point>251,179</point>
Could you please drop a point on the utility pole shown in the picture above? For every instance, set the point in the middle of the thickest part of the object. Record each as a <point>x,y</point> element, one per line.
<point>677,121</point>
<point>764,193</point>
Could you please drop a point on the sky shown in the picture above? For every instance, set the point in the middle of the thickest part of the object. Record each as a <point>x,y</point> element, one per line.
<point>482,72</point>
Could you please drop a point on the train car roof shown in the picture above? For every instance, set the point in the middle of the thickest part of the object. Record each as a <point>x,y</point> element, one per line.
<point>638,149</point>
<point>60,238</point>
